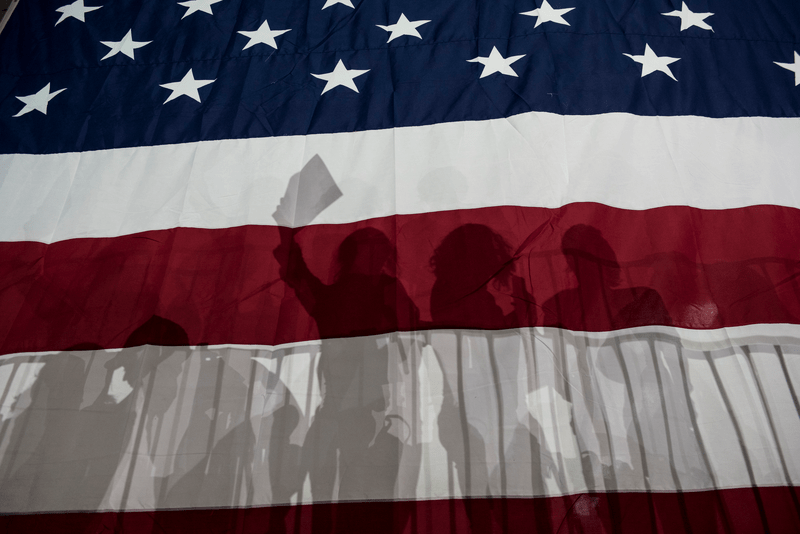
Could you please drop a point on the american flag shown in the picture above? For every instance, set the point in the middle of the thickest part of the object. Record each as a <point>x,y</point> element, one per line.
<point>399,266</point>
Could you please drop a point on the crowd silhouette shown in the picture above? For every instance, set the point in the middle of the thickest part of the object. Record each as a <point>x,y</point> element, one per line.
<point>488,410</point>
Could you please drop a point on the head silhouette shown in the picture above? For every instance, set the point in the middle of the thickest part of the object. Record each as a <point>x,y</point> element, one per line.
<point>158,331</point>
<point>589,254</point>
<point>155,331</point>
<point>470,256</point>
<point>365,251</point>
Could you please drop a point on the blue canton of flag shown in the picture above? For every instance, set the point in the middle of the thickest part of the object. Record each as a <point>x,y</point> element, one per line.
<point>256,69</point>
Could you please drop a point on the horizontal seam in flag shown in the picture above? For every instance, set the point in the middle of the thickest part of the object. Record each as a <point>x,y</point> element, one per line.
<point>306,53</point>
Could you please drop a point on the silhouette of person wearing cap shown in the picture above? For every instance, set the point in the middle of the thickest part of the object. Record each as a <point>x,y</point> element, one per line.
<point>599,303</point>
<point>109,424</point>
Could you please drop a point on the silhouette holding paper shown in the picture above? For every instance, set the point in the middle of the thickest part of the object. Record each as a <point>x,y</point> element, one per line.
<point>309,192</point>
<point>351,452</point>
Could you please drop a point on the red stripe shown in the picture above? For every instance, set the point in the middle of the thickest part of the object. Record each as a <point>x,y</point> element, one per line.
<point>730,511</point>
<point>709,268</point>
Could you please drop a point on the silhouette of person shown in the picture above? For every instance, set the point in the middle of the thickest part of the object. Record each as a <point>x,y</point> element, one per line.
<point>599,303</point>
<point>107,425</point>
<point>284,462</point>
<point>530,464</point>
<point>47,432</point>
<point>471,260</point>
<point>466,263</point>
<point>349,443</point>
<point>205,464</point>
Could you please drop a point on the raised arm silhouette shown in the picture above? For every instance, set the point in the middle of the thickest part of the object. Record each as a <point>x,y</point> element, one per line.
<point>350,444</point>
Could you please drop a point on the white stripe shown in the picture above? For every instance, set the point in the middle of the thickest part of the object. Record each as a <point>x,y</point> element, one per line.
<point>534,159</point>
<point>643,409</point>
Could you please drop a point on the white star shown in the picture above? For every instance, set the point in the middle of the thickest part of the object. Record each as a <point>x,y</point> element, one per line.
<point>75,10</point>
<point>689,19</point>
<point>548,14</point>
<point>403,27</point>
<point>329,3</point>
<point>127,45</point>
<point>37,101</point>
<point>496,63</point>
<point>187,86</point>
<point>651,62</point>
<point>794,67</point>
<point>194,6</point>
<point>340,76</point>
<point>263,35</point>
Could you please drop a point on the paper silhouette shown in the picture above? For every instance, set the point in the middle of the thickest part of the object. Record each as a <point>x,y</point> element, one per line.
<point>309,192</point>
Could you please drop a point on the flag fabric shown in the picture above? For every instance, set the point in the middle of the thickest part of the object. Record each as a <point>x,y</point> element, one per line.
<point>414,267</point>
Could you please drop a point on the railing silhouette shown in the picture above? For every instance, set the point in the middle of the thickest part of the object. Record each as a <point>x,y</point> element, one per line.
<point>623,410</point>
